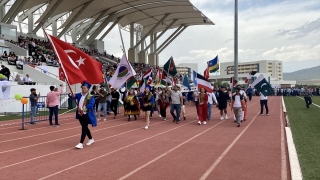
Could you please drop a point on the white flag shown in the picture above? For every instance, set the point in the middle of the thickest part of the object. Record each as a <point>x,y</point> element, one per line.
<point>123,72</point>
<point>5,90</point>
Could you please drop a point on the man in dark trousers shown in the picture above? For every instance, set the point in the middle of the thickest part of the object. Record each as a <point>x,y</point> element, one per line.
<point>250,91</point>
<point>307,96</point>
<point>5,71</point>
<point>114,101</point>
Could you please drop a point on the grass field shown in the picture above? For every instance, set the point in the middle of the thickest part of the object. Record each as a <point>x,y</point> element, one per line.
<point>316,100</point>
<point>305,126</point>
<point>27,115</point>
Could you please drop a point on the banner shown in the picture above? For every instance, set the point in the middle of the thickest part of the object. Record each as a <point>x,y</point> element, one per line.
<point>61,75</point>
<point>5,89</point>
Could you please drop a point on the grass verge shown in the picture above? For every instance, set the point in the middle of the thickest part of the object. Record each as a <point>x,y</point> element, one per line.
<point>27,115</point>
<point>305,125</point>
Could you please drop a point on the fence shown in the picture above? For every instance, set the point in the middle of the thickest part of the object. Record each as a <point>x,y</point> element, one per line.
<point>42,112</point>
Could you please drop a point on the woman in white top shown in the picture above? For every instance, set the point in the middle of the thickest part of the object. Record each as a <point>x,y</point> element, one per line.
<point>264,102</point>
<point>237,106</point>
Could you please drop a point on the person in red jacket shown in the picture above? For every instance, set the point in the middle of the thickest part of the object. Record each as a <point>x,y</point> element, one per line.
<point>203,106</point>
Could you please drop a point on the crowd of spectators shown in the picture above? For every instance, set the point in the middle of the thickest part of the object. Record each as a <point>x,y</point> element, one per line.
<point>40,51</point>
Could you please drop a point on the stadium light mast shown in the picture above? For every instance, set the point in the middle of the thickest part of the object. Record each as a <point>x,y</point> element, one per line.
<point>236,40</point>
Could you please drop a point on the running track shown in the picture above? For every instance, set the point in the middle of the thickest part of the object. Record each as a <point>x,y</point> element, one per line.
<point>124,150</point>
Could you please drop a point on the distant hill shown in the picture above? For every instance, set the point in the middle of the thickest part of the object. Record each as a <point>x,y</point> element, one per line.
<point>304,74</point>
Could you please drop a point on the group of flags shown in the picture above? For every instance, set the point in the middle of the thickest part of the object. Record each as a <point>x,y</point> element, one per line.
<point>78,67</point>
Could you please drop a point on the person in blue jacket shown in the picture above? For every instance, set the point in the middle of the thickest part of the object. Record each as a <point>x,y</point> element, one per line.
<point>85,113</point>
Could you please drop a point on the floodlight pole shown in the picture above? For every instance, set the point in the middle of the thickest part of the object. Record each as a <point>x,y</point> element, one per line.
<point>236,40</point>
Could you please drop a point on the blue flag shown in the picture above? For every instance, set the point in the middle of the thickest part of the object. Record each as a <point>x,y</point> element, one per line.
<point>186,82</point>
<point>213,64</point>
<point>195,78</point>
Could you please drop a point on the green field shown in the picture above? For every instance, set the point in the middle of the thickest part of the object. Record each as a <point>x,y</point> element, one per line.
<point>27,115</point>
<point>316,100</point>
<point>305,126</point>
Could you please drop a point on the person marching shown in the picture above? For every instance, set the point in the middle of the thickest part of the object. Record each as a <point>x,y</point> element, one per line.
<point>237,105</point>
<point>147,101</point>
<point>223,100</point>
<point>131,105</point>
<point>96,97</point>
<point>307,96</point>
<point>163,103</point>
<point>115,96</point>
<point>85,113</point>
<point>52,102</point>
<point>102,102</point>
<point>176,103</point>
<point>244,112</point>
<point>211,98</point>
<point>264,102</point>
<point>195,95</point>
<point>250,91</point>
<point>203,106</point>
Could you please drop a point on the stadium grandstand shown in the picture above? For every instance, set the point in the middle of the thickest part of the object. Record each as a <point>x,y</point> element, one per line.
<point>85,24</point>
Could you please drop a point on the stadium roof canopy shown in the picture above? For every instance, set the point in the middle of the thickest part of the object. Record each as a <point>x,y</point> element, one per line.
<point>145,12</point>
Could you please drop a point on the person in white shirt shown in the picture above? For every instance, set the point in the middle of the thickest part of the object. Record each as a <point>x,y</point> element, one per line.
<point>264,102</point>
<point>237,106</point>
<point>211,98</point>
<point>242,93</point>
<point>27,78</point>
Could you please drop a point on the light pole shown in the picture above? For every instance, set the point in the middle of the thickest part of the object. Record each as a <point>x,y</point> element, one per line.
<point>236,40</point>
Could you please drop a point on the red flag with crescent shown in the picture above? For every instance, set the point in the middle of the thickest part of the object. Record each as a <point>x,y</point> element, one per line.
<point>77,65</point>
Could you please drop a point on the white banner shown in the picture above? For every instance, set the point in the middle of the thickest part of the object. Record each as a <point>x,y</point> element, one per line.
<point>5,89</point>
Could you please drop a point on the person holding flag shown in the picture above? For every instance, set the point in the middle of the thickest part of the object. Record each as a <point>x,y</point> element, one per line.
<point>85,113</point>
<point>264,89</point>
<point>203,106</point>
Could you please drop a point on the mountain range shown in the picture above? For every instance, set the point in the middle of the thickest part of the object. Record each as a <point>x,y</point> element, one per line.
<point>304,74</point>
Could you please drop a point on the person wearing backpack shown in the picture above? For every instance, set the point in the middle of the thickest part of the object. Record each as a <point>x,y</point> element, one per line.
<point>237,106</point>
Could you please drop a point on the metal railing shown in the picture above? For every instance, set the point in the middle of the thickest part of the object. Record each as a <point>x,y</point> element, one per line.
<point>42,112</point>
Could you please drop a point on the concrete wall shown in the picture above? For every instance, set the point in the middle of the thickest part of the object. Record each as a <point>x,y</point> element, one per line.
<point>97,44</point>
<point>14,36</point>
<point>18,50</point>
<point>40,77</point>
<point>12,105</point>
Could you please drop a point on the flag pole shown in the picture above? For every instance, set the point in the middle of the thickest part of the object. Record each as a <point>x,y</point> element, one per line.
<point>61,65</point>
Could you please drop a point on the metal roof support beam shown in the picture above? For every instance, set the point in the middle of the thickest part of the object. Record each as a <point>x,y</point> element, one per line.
<point>16,11</point>
<point>11,11</point>
<point>168,39</point>
<point>160,50</point>
<point>151,30</point>
<point>4,2</point>
<point>47,15</point>
<point>100,28</point>
<point>92,25</point>
<point>23,16</point>
<point>110,28</point>
<point>165,30</point>
<point>51,20</point>
<point>84,7</point>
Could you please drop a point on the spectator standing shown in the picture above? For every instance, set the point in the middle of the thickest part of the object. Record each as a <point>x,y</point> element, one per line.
<point>33,101</point>
<point>5,71</point>
<point>53,103</point>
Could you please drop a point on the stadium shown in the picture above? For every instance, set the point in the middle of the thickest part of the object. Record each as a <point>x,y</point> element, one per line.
<point>41,41</point>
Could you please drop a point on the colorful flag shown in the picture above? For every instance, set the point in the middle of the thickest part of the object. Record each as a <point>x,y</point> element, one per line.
<point>77,65</point>
<point>206,73</point>
<point>195,78</point>
<point>213,64</point>
<point>203,83</point>
<point>170,67</point>
<point>123,72</point>
<point>250,75</point>
<point>130,82</point>
<point>262,85</point>
<point>186,82</point>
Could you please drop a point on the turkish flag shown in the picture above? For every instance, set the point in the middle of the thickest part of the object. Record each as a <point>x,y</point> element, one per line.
<point>61,75</point>
<point>77,65</point>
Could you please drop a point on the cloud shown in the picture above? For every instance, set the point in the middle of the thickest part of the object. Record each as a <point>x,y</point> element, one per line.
<point>302,31</point>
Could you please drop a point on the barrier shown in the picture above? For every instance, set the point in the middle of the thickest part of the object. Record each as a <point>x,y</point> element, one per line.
<point>42,112</point>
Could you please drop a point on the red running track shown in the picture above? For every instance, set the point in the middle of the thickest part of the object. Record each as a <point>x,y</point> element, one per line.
<point>124,150</point>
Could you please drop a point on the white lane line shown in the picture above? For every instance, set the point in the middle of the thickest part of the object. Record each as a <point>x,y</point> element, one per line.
<point>99,157</point>
<point>214,165</point>
<point>312,103</point>
<point>45,155</point>
<point>166,153</point>
<point>284,175</point>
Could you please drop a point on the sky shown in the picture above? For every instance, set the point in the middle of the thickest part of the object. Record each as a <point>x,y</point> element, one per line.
<point>287,30</point>
<point>268,30</point>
